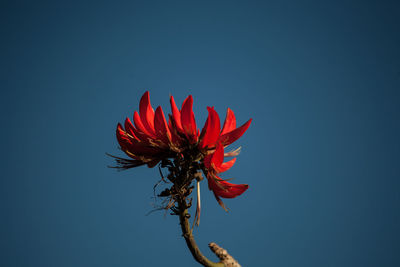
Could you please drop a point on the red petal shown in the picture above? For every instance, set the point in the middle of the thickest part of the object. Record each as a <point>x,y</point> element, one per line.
<point>207,161</point>
<point>129,128</point>
<point>161,126</point>
<point>145,134</point>
<point>214,162</point>
<point>134,148</point>
<point>234,135</point>
<point>175,138</point>
<point>203,131</point>
<point>188,121</point>
<point>142,137</point>
<point>123,139</point>
<point>226,165</point>
<point>230,122</point>
<point>176,115</point>
<point>211,129</point>
<point>218,157</point>
<point>225,189</point>
<point>146,112</point>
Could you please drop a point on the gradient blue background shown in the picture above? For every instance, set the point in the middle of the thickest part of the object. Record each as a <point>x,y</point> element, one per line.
<point>321,80</point>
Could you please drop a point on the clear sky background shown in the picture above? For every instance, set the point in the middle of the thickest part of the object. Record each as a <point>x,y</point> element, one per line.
<point>321,80</point>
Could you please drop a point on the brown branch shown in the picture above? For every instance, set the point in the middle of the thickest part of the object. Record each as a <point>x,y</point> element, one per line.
<point>226,260</point>
<point>223,255</point>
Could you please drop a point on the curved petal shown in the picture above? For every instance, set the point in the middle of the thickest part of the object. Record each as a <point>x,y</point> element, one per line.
<point>143,132</point>
<point>142,137</point>
<point>146,112</point>
<point>207,161</point>
<point>226,165</point>
<point>230,122</point>
<point>175,137</point>
<point>161,126</point>
<point>133,148</point>
<point>188,121</point>
<point>218,157</point>
<point>211,129</point>
<point>234,135</point>
<point>176,115</point>
<point>130,129</point>
<point>123,139</point>
<point>225,189</point>
<point>214,162</point>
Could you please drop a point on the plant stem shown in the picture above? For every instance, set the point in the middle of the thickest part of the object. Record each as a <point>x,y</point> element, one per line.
<point>188,235</point>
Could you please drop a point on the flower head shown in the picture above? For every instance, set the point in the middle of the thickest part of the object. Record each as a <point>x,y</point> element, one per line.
<point>151,139</point>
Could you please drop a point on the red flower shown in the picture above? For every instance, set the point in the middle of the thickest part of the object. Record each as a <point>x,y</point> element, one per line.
<point>152,139</point>
<point>215,164</point>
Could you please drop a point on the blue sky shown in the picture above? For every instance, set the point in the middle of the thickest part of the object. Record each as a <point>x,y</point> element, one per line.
<point>320,79</point>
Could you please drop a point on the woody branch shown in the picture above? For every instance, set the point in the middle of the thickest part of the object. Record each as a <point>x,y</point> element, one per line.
<point>226,260</point>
